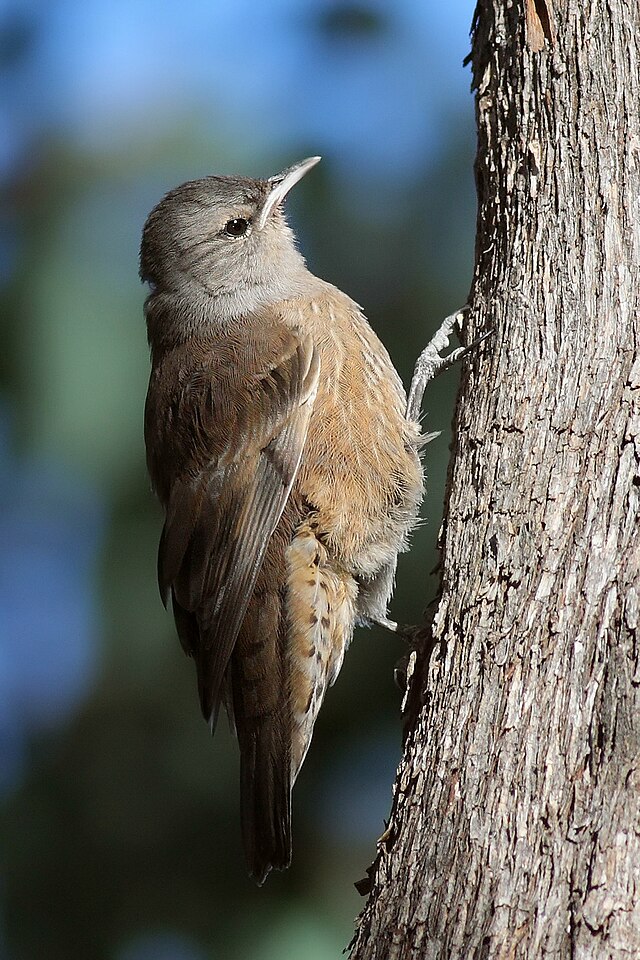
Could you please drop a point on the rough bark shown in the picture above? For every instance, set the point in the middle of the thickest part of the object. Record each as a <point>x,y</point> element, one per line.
<point>515,828</point>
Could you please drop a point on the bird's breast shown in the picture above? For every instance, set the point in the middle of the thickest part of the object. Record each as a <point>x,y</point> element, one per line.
<point>360,468</point>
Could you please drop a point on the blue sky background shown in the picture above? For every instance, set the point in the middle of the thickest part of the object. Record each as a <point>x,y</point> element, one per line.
<point>105,106</point>
<point>103,74</point>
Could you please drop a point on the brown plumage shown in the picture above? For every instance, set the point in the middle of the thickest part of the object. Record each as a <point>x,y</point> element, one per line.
<point>278,445</point>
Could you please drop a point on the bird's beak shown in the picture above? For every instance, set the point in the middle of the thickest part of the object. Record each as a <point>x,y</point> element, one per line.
<point>281,184</point>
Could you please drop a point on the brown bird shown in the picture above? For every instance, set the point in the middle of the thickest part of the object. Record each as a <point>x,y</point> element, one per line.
<point>278,445</point>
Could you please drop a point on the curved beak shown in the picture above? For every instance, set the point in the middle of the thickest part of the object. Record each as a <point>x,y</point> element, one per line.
<point>280,185</point>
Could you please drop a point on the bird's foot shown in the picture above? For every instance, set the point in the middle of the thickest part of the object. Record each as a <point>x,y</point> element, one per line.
<point>407,633</point>
<point>430,363</point>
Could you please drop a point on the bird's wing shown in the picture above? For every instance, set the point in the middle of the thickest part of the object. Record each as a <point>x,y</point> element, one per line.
<point>247,442</point>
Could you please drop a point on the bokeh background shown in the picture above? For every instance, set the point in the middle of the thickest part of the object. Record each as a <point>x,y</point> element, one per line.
<point>119,816</point>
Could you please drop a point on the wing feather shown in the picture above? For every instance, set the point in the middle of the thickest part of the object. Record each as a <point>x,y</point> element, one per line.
<point>220,518</point>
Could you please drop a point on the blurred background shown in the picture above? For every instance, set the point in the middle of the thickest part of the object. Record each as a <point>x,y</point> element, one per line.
<point>119,816</point>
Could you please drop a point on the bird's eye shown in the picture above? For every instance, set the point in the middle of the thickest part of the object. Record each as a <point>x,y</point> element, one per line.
<point>236,227</point>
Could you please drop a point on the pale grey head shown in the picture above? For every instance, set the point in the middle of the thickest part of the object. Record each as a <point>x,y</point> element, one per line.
<point>225,239</point>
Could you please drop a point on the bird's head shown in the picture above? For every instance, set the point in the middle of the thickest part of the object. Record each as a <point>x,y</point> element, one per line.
<point>225,237</point>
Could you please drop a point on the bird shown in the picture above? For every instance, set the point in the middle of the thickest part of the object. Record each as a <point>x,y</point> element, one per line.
<point>279,447</point>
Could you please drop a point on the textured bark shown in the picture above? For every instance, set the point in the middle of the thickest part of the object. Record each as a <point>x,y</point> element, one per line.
<point>515,828</point>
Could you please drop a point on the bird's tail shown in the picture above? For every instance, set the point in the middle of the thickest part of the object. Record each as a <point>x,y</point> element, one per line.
<point>265,778</point>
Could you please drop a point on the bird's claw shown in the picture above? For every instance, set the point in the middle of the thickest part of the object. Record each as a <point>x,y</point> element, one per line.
<point>430,363</point>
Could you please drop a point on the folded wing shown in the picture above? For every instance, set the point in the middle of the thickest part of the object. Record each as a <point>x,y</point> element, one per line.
<point>226,503</point>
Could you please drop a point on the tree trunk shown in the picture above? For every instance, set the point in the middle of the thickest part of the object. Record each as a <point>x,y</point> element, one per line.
<point>515,828</point>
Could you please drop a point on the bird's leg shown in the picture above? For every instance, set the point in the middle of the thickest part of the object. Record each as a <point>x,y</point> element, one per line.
<point>429,364</point>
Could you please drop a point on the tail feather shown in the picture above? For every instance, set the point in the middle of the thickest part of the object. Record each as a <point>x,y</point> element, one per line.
<point>265,780</point>
<point>261,703</point>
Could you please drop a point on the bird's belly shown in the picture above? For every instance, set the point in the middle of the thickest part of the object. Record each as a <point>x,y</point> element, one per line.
<point>365,502</point>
